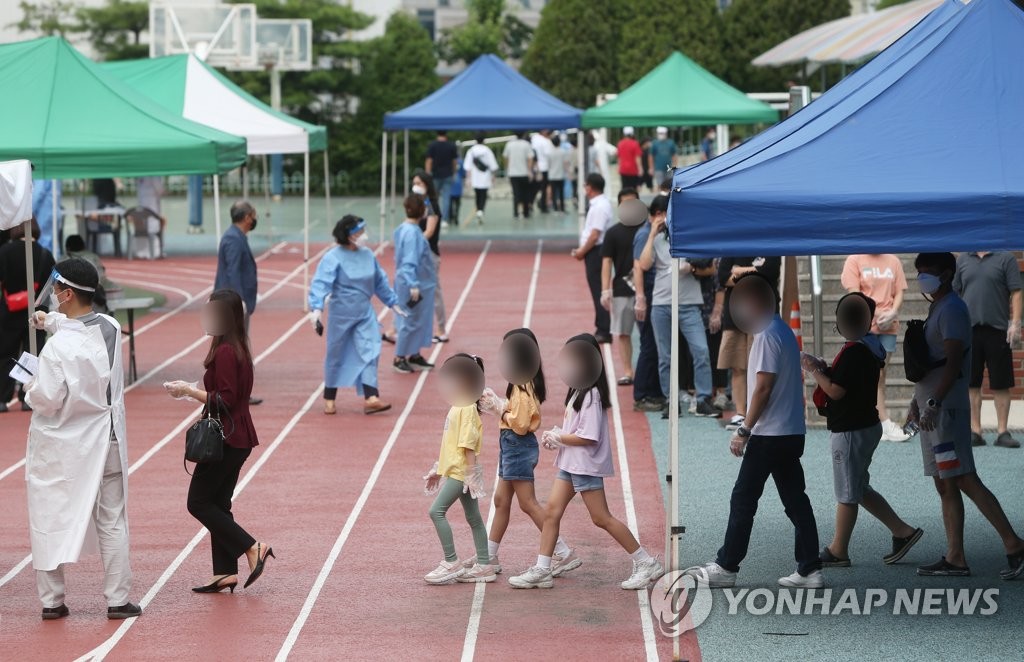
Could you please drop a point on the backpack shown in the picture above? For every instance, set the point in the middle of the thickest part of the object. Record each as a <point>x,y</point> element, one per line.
<point>917,362</point>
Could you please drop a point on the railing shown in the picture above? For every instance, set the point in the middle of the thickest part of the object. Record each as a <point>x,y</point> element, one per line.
<point>816,304</point>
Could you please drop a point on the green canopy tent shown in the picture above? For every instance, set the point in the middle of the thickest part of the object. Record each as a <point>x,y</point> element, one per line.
<point>679,92</point>
<point>190,88</point>
<point>72,121</point>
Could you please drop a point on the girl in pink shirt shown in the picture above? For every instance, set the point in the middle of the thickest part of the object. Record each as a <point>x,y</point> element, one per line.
<point>584,459</point>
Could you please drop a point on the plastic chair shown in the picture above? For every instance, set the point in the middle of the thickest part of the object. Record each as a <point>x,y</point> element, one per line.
<point>98,224</point>
<point>146,224</point>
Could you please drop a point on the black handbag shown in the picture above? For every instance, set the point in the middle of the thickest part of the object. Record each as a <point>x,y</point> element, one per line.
<point>204,441</point>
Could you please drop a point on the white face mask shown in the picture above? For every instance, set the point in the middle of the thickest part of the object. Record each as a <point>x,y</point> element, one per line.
<point>54,302</point>
<point>362,240</point>
<point>929,284</point>
<point>419,190</point>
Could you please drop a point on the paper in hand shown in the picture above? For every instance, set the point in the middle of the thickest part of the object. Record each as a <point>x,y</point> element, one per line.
<point>24,369</point>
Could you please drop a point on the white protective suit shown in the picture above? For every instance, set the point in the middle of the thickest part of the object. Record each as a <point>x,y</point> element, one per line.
<point>69,437</point>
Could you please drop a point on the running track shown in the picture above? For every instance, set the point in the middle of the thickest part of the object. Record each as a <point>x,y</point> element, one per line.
<point>340,498</point>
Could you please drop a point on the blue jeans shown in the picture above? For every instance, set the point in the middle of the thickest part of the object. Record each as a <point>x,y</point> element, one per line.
<point>691,325</point>
<point>444,192</point>
<point>647,381</point>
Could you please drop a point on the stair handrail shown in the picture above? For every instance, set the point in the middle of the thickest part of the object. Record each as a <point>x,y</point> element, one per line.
<point>816,304</point>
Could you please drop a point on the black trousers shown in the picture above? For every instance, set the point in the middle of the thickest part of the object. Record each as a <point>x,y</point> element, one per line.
<point>541,192</point>
<point>592,262</point>
<point>331,392</point>
<point>646,381</point>
<point>481,198</point>
<point>521,195</point>
<point>209,501</point>
<point>778,457</point>
<point>557,194</point>
<point>13,341</point>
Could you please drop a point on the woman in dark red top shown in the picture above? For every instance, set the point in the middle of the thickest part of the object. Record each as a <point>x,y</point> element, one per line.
<point>229,377</point>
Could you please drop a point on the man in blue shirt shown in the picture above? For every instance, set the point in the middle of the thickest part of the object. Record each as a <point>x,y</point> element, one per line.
<point>236,267</point>
<point>662,157</point>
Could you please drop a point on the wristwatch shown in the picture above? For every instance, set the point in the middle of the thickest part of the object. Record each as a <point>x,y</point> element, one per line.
<point>933,403</point>
<point>743,432</point>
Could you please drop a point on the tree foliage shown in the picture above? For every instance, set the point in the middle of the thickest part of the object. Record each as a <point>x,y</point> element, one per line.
<point>48,18</point>
<point>751,27</point>
<point>882,4</point>
<point>115,30</point>
<point>489,28</point>
<point>654,29</point>
<point>575,49</point>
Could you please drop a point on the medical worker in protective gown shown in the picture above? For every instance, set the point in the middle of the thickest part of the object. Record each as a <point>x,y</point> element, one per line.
<point>415,282</point>
<point>351,276</point>
<point>76,465</point>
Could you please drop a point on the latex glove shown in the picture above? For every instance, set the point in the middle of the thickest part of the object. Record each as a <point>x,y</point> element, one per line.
<point>552,439</point>
<point>49,322</point>
<point>811,363</point>
<point>492,403</point>
<point>737,445</point>
<point>606,299</point>
<point>886,318</point>
<point>914,412</point>
<point>414,294</point>
<point>316,317</point>
<point>640,308</point>
<point>180,390</point>
<point>929,418</point>
<point>1013,334</point>
<point>399,311</point>
<point>432,481</point>
<point>474,483</point>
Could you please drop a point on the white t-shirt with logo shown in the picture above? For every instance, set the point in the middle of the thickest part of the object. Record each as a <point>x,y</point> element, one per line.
<point>775,351</point>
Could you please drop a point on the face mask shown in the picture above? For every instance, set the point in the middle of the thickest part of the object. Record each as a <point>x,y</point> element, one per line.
<point>54,302</point>
<point>362,240</point>
<point>929,284</point>
<point>419,190</point>
<point>254,220</point>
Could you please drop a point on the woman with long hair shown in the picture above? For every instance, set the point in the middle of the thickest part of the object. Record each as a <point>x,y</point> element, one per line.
<point>227,386</point>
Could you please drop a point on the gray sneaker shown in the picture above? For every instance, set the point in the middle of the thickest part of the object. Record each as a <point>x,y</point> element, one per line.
<point>1006,440</point>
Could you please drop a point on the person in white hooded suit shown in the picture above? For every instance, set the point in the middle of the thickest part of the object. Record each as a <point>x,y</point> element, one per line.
<point>76,464</point>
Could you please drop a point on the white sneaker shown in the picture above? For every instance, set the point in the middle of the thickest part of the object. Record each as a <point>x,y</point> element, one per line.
<point>893,432</point>
<point>446,573</point>
<point>644,572</point>
<point>796,580</point>
<point>712,574</point>
<point>492,561</point>
<point>563,564</point>
<point>721,401</point>
<point>477,574</point>
<point>535,577</point>
<point>735,422</point>
<point>692,409</point>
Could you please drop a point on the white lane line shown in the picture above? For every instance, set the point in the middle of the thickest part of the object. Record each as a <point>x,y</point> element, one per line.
<point>357,509</point>
<point>646,623</point>
<point>100,652</point>
<point>476,610</point>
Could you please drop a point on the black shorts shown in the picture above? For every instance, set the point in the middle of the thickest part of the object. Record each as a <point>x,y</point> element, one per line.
<point>989,348</point>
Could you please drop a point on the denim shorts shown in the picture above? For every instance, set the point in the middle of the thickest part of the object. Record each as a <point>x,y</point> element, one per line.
<point>888,341</point>
<point>518,455</point>
<point>581,482</point>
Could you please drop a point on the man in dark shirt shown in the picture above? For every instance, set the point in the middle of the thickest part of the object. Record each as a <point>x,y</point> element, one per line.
<point>735,346</point>
<point>442,163</point>
<point>851,388</point>
<point>617,294</point>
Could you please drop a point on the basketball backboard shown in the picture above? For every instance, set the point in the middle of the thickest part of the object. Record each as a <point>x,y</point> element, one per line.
<point>285,44</point>
<point>222,35</point>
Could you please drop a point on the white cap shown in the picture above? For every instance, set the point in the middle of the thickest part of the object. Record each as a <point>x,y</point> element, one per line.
<point>627,131</point>
<point>662,130</point>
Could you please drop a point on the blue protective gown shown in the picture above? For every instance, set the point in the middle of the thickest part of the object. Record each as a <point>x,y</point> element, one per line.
<point>414,267</point>
<point>353,335</point>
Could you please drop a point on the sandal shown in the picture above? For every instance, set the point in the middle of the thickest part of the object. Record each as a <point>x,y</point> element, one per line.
<point>388,339</point>
<point>830,560</point>
<point>330,408</point>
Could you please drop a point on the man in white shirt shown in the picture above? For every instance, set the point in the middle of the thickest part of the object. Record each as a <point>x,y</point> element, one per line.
<point>599,219</point>
<point>518,155</point>
<point>541,148</point>
<point>480,165</point>
<point>771,440</point>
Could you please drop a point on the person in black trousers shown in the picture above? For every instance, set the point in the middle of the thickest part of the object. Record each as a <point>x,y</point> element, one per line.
<point>647,395</point>
<point>227,384</point>
<point>599,218</point>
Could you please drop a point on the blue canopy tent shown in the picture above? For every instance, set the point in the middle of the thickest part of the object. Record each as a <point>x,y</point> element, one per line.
<point>489,95</point>
<point>923,147</point>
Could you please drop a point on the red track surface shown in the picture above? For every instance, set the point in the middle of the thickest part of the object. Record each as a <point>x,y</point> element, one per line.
<point>319,480</point>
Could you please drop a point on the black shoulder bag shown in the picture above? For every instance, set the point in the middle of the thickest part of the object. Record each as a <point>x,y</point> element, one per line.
<point>204,441</point>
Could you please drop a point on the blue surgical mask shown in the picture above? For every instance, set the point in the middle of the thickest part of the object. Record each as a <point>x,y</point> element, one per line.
<point>929,284</point>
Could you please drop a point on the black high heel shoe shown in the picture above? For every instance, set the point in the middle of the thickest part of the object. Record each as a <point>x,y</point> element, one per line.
<point>260,562</point>
<point>216,586</point>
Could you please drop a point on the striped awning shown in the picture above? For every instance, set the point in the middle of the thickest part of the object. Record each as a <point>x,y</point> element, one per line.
<point>852,39</point>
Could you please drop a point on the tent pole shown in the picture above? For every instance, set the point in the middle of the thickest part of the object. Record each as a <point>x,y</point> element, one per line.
<point>30,277</point>
<point>245,179</point>
<point>305,232</point>
<point>266,186</point>
<point>581,177</point>
<point>53,221</point>
<point>216,206</point>
<point>405,164</point>
<point>383,184</point>
<point>394,172</point>
<point>722,133</point>
<point>327,187</point>
<point>672,553</point>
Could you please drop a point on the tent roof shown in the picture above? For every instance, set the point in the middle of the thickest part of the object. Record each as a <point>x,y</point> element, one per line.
<point>186,86</point>
<point>921,149</point>
<point>679,92</point>
<point>72,120</point>
<point>488,96</point>
<point>850,39</point>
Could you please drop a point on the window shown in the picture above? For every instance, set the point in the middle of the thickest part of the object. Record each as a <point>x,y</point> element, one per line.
<point>426,17</point>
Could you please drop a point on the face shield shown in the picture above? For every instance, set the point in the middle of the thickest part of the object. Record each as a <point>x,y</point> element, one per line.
<point>44,294</point>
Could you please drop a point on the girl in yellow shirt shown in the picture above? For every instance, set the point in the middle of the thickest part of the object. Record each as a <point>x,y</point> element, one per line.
<point>462,381</point>
<point>519,419</point>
